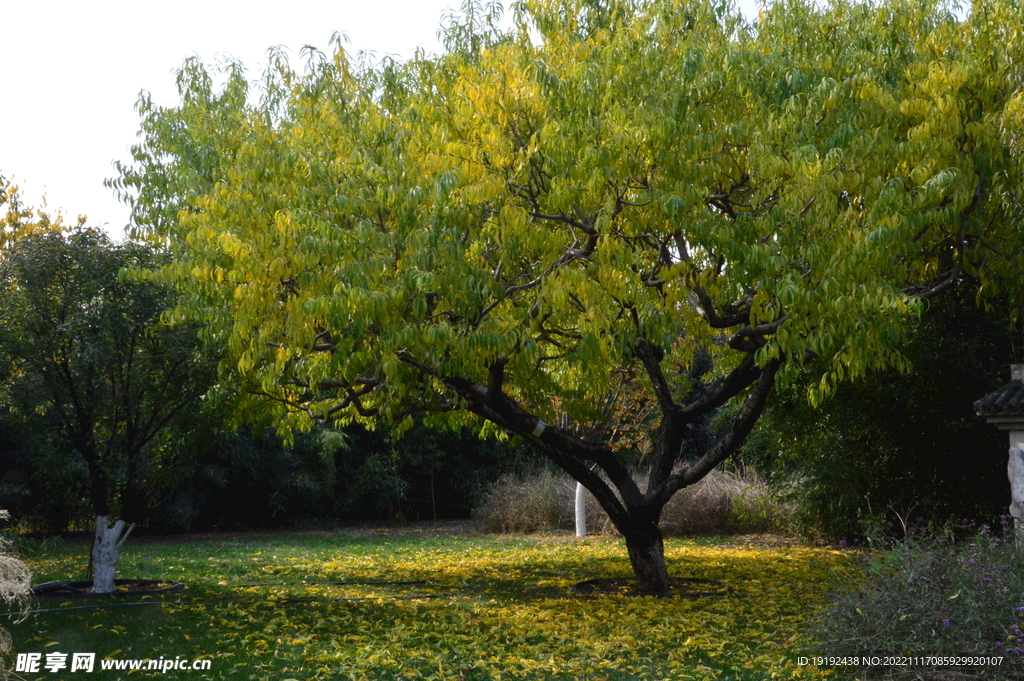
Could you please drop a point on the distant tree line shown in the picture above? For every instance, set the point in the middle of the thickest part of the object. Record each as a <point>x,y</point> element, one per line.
<point>249,478</point>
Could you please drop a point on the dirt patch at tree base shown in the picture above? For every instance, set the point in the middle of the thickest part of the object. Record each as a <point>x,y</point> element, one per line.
<point>122,587</point>
<point>679,587</point>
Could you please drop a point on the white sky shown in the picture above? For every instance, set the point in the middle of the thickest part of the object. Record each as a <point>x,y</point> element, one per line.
<point>73,71</point>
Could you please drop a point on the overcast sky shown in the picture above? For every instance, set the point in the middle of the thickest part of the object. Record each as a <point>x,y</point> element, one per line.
<point>73,71</point>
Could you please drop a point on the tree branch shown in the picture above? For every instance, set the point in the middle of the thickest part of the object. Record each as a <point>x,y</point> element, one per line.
<point>744,422</point>
<point>705,307</point>
<point>651,356</point>
<point>751,338</point>
<point>571,254</point>
<point>723,390</point>
<point>511,416</point>
<point>496,378</point>
<point>947,279</point>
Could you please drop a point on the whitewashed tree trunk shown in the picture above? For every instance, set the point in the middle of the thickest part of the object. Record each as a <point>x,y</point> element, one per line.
<point>1015,471</point>
<point>106,552</point>
<point>581,510</point>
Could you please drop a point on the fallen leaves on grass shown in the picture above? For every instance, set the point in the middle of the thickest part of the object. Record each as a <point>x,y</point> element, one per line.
<point>471,608</point>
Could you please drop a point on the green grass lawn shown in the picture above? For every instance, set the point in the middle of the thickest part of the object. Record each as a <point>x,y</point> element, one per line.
<point>477,607</point>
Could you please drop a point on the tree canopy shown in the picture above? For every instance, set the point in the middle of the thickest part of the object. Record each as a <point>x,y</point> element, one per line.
<point>541,219</point>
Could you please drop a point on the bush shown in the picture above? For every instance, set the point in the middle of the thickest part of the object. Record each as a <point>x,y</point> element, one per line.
<point>722,503</point>
<point>935,596</point>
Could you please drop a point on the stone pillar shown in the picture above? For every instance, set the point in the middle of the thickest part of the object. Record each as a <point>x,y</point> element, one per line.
<point>1015,472</point>
<point>1017,439</point>
<point>1015,469</point>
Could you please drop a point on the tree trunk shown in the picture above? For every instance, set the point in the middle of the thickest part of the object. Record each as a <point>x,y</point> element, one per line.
<point>581,510</point>
<point>647,555</point>
<point>106,552</point>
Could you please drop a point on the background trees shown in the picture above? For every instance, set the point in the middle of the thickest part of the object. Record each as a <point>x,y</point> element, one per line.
<point>499,234</point>
<point>900,444</point>
<point>250,477</point>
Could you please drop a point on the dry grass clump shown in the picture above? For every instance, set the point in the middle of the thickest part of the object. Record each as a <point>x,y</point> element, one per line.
<point>539,501</point>
<point>15,587</point>
<point>724,502</point>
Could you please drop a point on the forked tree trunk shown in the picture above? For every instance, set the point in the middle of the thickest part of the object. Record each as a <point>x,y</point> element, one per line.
<point>106,552</point>
<point>647,556</point>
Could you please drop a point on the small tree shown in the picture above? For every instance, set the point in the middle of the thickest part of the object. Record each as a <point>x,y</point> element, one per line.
<point>87,355</point>
<point>498,234</point>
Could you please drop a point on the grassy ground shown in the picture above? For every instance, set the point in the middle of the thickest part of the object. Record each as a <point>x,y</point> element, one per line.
<point>480,607</point>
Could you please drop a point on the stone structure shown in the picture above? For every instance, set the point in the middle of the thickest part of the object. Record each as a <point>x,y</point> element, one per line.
<point>1005,409</point>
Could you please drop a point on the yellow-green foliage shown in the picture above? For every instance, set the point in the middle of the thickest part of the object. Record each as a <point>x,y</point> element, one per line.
<point>18,221</point>
<point>598,172</point>
<point>500,609</point>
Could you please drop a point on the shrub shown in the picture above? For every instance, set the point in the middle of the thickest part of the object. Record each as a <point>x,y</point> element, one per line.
<point>935,596</point>
<point>722,503</point>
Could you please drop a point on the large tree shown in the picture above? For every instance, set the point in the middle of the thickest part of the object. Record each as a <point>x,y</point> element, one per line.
<point>87,362</point>
<point>508,233</point>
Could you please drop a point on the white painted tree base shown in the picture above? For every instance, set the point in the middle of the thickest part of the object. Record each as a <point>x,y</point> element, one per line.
<point>581,510</point>
<point>106,552</point>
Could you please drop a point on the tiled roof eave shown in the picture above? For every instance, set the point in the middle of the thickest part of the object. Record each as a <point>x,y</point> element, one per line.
<point>1007,401</point>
